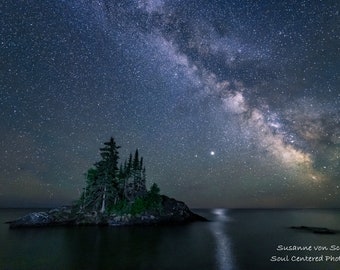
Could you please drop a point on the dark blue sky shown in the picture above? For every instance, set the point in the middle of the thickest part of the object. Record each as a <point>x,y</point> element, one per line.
<point>231,103</point>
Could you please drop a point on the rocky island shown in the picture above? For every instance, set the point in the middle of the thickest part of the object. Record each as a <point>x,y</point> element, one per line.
<point>114,196</point>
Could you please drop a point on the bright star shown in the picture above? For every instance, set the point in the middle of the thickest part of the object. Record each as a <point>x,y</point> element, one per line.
<point>212,153</point>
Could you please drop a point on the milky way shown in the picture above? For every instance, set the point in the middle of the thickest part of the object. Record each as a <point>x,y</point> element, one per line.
<point>231,103</point>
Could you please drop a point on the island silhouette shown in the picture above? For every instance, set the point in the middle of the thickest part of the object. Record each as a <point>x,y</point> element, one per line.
<point>115,195</point>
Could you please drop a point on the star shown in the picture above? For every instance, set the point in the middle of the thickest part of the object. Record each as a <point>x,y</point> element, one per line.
<point>175,79</point>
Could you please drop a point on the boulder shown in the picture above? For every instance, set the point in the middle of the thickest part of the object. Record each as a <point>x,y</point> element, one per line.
<point>36,219</point>
<point>177,212</point>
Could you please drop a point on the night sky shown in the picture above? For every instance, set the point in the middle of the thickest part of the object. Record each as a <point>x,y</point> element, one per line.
<point>231,103</point>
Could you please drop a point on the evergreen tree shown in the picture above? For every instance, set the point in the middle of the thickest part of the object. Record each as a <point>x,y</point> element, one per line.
<point>102,181</point>
<point>108,168</point>
<point>109,187</point>
<point>124,178</point>
<point>138,180</point>
<point>154,189</point>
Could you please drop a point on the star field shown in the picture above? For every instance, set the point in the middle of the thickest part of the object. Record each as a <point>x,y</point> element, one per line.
<point>231,103</point>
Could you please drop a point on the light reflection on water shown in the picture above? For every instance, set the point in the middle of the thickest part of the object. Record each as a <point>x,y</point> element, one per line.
<point>232,240</point>
<point>223,244</point>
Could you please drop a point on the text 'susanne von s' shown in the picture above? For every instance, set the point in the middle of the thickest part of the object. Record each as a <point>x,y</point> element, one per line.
<point>329,253</point>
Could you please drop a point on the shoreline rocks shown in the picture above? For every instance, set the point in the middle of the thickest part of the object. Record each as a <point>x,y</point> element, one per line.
<point>173,213</point>
<point>317,230</point>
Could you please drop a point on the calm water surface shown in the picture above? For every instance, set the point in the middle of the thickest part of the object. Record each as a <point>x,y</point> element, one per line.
<point>234,239</point>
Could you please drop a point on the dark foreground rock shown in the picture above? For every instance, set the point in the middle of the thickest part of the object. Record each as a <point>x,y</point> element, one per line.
<point>317,230</point>
<point>173,212</point>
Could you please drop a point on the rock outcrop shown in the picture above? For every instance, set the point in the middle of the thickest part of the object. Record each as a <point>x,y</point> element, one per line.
<point>318,230</point>
<point>173,212</point>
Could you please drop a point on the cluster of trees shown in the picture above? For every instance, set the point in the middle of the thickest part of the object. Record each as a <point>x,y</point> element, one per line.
<point>109,187</point>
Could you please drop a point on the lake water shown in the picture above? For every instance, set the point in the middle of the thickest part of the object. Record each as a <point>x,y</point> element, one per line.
<point>234,239</point>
